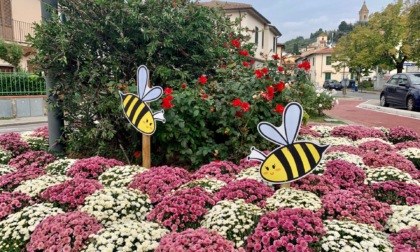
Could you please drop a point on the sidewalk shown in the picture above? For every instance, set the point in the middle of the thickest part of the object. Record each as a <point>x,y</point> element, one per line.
<point>23,121</point>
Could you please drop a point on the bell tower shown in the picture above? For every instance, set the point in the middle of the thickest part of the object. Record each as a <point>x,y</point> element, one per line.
<point>364,13</point>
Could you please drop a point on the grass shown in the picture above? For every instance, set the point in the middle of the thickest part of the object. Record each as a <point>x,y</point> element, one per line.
<point>324,119</point>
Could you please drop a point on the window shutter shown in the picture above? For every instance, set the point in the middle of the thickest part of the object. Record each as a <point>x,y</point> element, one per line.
<point>256,35</point>
<point>5,13</point>
<point>262,39</point>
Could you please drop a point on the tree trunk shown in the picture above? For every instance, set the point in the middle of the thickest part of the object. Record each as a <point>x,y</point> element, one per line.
<point>400,67</point>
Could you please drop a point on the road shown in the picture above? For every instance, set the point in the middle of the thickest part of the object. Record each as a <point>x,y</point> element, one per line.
<point>21,128</point>
<point>351,110</point>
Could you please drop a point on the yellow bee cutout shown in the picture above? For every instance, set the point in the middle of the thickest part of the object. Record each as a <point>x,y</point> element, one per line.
<point>135,107</point>
<point>293,160</point>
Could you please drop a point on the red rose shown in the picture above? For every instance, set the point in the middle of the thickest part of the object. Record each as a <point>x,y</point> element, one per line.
<point>280,68</point>
<point>279,108</point>
<point>167,91</point>
<point>244,53</point>
<point>204,95</point>
<point>238,114</point>
<point>183,85</point>
<point>275,57</point>
<point>236,43</point>
<point>270,93</point>
<point>137,154</point>
<point>237,102</point>
<point>280,86</point>
<point>258,73</point>
<point>166,102</point>
<point>246,64</point>
<point>245,106</point>
<point>265,70</point>
<point>202,79</point>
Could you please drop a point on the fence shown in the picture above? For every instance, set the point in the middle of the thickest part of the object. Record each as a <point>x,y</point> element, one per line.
<point>21,84</point>
<point>15,31</point>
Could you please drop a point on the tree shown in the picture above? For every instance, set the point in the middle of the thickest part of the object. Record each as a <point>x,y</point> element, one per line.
<point>414,24</point>
<point>11,53</point>
<point>96,52</point>
<point>386,41</point>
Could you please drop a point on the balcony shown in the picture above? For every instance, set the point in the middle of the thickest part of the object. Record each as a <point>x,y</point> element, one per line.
<point>15,31</point>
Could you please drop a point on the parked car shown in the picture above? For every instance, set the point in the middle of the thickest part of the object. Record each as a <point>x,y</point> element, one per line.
<point>402,90</point>
<point>332,84</point>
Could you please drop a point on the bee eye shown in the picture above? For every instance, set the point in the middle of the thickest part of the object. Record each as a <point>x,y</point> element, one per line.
<point>150,124</point>
<point>147,120</point>
<point>274,166</point>
<point>267,168</point>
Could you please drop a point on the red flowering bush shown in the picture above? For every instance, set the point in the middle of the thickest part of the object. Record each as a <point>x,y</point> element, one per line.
<point>344,148</point>
<point>396,160</point>
<point>41,132</point>
<point>11,180</point>
<point>355,132</point>
<point>158,182</point>
<point>182,210</point>
<point>63,232</point>
<point>376,146</point>
<point>408,144</point>
<point>402,134</point>
<point>33,159</point>
<point>250,190</point>
<point>13,143</point>
<point>91,168</point>
<point>355,205</point>
<point>396,193</point>
<point>406,240</point>
<point>225,171</point>
<point>13,202</point>
<point>287,230</point>
<point>320,185</point>
<point>71,193</point>
<point>192,240</point>
<point>346,175</point>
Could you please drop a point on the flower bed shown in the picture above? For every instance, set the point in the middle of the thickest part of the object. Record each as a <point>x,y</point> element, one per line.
<point>364,196</point>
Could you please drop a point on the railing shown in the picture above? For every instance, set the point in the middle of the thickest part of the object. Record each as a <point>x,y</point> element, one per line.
<point>15,31</point>
<point>13,84</point>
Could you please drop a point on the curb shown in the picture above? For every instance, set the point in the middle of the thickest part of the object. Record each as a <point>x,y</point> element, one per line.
<point>2,125</point>
<point>393,111</point>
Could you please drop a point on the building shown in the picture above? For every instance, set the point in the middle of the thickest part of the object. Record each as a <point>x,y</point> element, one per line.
<point>364,13</point>
<point>262,33</point>
<point>16,22</point>
<point>322,68</point>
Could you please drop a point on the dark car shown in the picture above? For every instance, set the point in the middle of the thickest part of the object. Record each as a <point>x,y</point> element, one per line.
<point>402,90</point>
<point>332,84</point>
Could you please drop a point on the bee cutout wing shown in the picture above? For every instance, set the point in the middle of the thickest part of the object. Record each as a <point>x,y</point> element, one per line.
<point>287,132</point>
<point>145,93</point>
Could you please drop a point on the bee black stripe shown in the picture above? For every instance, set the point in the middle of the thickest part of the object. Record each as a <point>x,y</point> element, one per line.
<point>283,160</point>
<point>308,153</point>
<point>129,103</point>
<point>136,106</point>
<point>298,159</point>
<point>143,111</point>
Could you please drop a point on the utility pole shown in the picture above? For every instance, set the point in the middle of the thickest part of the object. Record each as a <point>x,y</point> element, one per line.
<point>55,115</point>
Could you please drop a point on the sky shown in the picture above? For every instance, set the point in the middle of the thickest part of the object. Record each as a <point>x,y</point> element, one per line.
<point>295,18</point>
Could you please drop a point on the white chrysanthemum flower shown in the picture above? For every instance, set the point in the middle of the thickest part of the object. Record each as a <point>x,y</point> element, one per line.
<point>352,236</point>
<point>111,204</point>
<point>293,198</point>
<point>252,173</point>
<point>120,176</point>
<point>383,129</point>
<point>60,166</point>
<point>338,141</point>
<point>323,130</point>
<point>123,235</point>
<point>16,229</point>
<point>5,169</point>
<point>234,220</point>
<point>35,186</point>
<point>5,156</point>
<point>403,217</point>
<point>410,153</point>
<point>209,184</point>
<point>370,139</point>
<point>382,174</point>
<point>338,155</point>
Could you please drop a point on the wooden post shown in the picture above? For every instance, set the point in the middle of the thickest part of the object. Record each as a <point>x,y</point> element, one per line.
<point>286,185</point>
<point>146,151</point>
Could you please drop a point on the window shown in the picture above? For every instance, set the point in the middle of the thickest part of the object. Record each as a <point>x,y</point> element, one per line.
<point>262,39</point>
<point>327,76</point>
<point>328,61</point>
<point>313,61</point>
<point>394,79</point>
<point>403,80</point>
<point>256,35</point>
<point>274,45</point>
